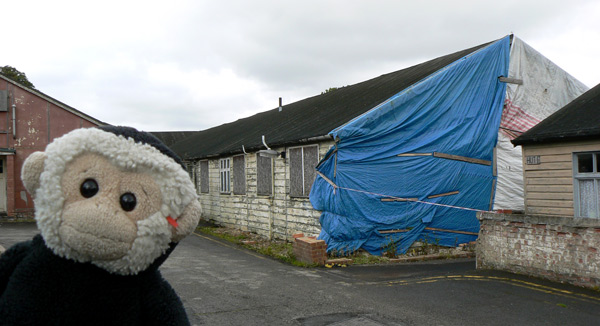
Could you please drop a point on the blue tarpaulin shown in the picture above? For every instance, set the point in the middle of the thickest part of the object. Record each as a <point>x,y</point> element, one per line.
<point>431,143</point>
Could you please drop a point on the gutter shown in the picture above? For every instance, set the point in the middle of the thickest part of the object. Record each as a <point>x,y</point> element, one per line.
<point>257,147</point>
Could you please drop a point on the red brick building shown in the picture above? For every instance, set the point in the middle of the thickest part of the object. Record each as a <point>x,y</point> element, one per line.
<point>29,120</point>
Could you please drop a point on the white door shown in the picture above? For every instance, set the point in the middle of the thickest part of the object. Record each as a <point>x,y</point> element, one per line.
<point>2,184</point>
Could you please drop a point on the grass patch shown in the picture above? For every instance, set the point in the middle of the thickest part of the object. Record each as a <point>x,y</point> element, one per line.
<point>220,233</point>
<point>277,249</point>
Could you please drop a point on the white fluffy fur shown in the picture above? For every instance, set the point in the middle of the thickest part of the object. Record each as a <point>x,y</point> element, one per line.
<point>153,235</point>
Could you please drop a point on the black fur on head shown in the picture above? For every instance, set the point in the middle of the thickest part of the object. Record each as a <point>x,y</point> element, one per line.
<point>143,138</point>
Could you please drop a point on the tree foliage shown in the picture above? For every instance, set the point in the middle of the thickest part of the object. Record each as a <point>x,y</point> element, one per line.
<point>331,89</point>
<point>15,75</point>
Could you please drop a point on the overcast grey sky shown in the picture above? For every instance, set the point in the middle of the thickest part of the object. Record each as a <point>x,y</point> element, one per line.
<point>192,65</point>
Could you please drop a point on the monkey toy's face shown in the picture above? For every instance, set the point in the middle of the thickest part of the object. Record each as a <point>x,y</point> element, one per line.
<point>103,205</point>
<point>109,200</point>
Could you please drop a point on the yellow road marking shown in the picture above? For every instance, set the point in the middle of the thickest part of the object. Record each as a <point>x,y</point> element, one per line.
<point>430,281</point>
<point>425,280</point>
<point>512,281</point>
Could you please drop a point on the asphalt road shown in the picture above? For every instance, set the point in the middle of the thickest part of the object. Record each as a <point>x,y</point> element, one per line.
<point>221,284</point>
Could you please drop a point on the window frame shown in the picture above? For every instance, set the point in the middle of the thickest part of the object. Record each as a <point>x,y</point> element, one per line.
<point>580,176</point>
<point>305,190</point>
<point>225,175</point>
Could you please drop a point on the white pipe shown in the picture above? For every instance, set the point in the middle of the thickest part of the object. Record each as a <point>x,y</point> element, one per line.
<point>264,143</point>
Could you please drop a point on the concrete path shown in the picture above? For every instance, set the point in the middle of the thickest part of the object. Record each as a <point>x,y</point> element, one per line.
<point>221,284</point>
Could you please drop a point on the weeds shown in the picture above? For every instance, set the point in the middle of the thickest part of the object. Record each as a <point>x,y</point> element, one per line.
<point>280,250</point>
<point>359,257</point>
<point>283,250</point>
<point>390,250</point>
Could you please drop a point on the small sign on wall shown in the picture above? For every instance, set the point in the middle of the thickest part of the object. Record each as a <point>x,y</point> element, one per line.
<point>532,160</point>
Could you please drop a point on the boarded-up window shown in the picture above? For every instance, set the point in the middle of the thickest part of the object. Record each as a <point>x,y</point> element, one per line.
<point>239,175</point>
<point>264,176</point>
<point>3,100</point>
<point>225,176</point>
<point>189,166</point>
<point>302,169</point>
<point>204,177</point>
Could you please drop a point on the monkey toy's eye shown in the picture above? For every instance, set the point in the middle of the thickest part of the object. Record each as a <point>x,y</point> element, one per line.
<point>128,201</point>
<point>89,188</point>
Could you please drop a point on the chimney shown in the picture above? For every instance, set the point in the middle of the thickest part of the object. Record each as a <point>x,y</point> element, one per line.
<point>280,107</point>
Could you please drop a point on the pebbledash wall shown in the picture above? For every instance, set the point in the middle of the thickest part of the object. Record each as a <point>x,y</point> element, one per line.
<point>563,249</point>
<point>276,216</point>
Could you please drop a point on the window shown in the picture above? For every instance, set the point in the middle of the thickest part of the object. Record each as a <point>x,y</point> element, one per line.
<point>239,175</point>
<point>225,177</point>
<point>264,175</point>
<point>587,184</point>
<point>302,169</point>
<point>204,177</point>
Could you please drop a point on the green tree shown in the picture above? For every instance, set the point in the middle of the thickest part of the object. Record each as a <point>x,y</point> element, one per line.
<point>12,73</point>
<point>331,89</point>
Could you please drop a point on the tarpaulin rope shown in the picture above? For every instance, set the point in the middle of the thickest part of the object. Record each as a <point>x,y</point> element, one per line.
<point>398,198</point>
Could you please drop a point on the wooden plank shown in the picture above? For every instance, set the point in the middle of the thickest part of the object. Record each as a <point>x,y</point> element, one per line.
<point>550,195</point>
<point>415,154</point>
<point>557,158</point>
<point>509,80</point>
<point>462,158</point>
<point>452,231</point>
<point>550,188</point>
<point>549,173</point>
<point>430,229</point>
<point>335,164</point>
<point>327,179</point>
<point>495,161</point>
<point>549,166</point>
<point>393,231</point>
<point>554,211</point>
<point>549,203</point>
<point>561,148</point>
<point>550,181</point>
<point>398,199</point>
<point>443,195</point>
<point>492,194</point>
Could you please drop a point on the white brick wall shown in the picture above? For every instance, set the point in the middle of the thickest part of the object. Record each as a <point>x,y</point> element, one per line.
<point>278,216</point>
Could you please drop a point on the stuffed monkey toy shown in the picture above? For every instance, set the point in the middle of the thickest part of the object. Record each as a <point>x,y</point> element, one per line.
<point>111,204</point>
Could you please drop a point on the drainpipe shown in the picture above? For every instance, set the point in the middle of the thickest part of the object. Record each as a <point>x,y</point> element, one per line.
<point>271,208</point>
<point>14,124</point>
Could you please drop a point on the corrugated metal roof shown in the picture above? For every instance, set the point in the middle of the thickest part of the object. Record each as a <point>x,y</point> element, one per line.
<point>309,118</point>
<point>578,120</point>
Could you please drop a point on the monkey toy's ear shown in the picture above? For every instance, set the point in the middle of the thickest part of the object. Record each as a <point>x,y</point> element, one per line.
<point>31,171</point>
<point>187,222</point>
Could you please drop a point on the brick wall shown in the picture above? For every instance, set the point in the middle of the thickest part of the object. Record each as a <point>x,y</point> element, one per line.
<point>310,250</point>
<point>562,249</point>
<point>278,216</point>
